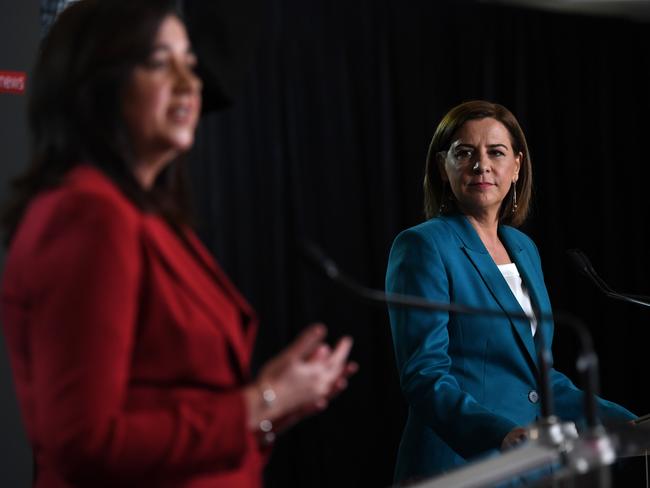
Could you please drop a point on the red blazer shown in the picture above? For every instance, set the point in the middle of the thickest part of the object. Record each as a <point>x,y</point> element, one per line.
<point>128,346</point>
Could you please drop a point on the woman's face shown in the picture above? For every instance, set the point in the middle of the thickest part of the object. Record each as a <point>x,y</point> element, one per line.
<point>162,100</point>
<point>480,166</point>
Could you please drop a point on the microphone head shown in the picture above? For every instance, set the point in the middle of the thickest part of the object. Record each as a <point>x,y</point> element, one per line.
<point>584,265</point>
<point>580,261</point>
<point>315,255</point>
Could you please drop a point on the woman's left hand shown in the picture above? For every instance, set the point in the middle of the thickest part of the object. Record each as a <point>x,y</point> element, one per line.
<point>515,437</point>
<point>338,386</point>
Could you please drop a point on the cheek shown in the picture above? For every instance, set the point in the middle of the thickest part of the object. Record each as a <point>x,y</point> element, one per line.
<point>151,105</point>
<point>144,102</point>
<point>456,178</point>
<point>450,174</point>
<point>512,175</point>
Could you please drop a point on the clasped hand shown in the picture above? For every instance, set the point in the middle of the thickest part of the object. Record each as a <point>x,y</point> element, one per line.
<point>304,377</point>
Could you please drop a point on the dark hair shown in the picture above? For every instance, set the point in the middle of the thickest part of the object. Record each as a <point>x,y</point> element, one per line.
<point>434,187</point>
<point>74,113</point>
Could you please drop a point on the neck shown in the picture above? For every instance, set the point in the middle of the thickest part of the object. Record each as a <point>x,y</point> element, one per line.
<point>487,228</point>
<point>488,232</point>
<point>484,227</point>
<point>147,169</point>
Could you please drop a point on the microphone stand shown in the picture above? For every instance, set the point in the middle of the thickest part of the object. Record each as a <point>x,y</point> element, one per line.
<point>553,441</point>
<point>597,446</point>
<point>580,260</point>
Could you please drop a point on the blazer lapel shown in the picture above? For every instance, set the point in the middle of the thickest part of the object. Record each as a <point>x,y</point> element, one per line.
<point>493,279</point>
<point>534,283</point>
<point>193,267</point>
<point>249,317</point>
<point>206,282</point>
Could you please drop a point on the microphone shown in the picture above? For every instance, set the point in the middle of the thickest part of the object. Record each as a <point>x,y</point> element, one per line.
<point>587,363</point>
<point>317,257</point>
<point>582,263</point>
<point>547,431</point>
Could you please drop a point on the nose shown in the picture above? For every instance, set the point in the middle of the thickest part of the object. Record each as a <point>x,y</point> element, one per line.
<point>187,80</point>
<point>478,167</point>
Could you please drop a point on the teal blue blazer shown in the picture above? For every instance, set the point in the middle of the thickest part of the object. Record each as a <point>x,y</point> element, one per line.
<point>468,379</point>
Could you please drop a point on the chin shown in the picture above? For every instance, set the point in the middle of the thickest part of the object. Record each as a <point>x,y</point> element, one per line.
<point>182,142</point>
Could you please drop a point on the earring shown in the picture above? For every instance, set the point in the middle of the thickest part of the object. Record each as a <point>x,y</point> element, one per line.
<point>445,199</point>
<point>514,197</point>
<point>443,205</point>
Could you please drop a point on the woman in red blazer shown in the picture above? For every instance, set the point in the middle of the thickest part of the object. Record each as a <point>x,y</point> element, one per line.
<point>130,348</point>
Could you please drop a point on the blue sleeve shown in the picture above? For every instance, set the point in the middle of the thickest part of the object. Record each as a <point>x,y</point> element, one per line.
<point>570,402</point>
<point>421,343</point>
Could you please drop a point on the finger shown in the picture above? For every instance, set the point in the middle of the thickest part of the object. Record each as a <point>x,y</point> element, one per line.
<point>307,342</point>
<point>339,384</point>
<point>351,368</point>
<point>322,352</point>
<point>341,352</point>
<point>321,404</point>
<point>521,433</point>
<point>348,371</point>
<point>518,436</point>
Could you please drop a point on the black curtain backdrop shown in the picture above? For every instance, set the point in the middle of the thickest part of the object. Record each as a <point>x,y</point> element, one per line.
<point>327,141</point>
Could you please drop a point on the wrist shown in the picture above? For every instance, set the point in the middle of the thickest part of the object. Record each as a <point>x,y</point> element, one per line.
<point>261,402</point>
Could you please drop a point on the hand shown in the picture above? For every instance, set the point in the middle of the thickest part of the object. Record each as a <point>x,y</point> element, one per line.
<point>292,418</point>
<point>515,437</point>
<point>304,377</point>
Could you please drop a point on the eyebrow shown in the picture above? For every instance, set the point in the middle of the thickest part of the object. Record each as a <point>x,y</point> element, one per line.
<point>168,48</point>
<point>489,145</point>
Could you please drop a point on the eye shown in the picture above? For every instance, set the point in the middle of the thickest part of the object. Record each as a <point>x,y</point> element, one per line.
<point>156,62</point>
<point>463,154</point>
<point>497,152</point>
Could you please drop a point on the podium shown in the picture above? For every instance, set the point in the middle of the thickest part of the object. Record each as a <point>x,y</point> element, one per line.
<point>577,461</point>
<point>633,440</point>
<point>499,469</point>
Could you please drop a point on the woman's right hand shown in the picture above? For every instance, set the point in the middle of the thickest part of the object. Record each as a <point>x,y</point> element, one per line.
<point>300,380</point>
<point>515,437</point>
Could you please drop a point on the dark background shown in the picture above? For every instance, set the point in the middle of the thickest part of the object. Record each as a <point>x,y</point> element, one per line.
<point>19,34</point>
<point>326,140</point>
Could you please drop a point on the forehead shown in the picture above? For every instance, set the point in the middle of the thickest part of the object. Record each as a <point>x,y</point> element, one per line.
<point>172,32</point>
<point>483,131</point>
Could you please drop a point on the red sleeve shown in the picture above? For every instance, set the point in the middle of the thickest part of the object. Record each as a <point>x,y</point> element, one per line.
<point>86,269</point>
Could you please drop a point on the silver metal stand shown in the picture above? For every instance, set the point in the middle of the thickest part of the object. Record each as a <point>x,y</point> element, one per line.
<point>482,474</point>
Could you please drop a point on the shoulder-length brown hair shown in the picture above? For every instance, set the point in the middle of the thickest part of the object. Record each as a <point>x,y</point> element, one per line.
<point>434,187</point>
<point>74,111</point>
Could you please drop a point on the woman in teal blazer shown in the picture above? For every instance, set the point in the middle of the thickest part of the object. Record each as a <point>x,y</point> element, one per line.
<point>471,380</point>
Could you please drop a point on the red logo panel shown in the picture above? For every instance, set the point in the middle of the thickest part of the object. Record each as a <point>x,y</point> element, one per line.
<point>13,82</point>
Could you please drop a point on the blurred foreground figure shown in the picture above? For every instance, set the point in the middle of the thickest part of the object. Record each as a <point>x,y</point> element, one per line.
<point>224,35</point>
<point>130,348</point>
<point>471,381</point>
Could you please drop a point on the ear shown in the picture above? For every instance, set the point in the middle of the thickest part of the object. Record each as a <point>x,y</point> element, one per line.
<point>518,160</point>
<point>441,159</point>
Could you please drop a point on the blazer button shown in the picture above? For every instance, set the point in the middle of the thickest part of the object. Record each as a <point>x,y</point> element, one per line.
<point>533,396</point>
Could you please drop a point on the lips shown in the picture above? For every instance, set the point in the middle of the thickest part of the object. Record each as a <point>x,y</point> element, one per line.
<point>182,113</point>
<point>481,184</point>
